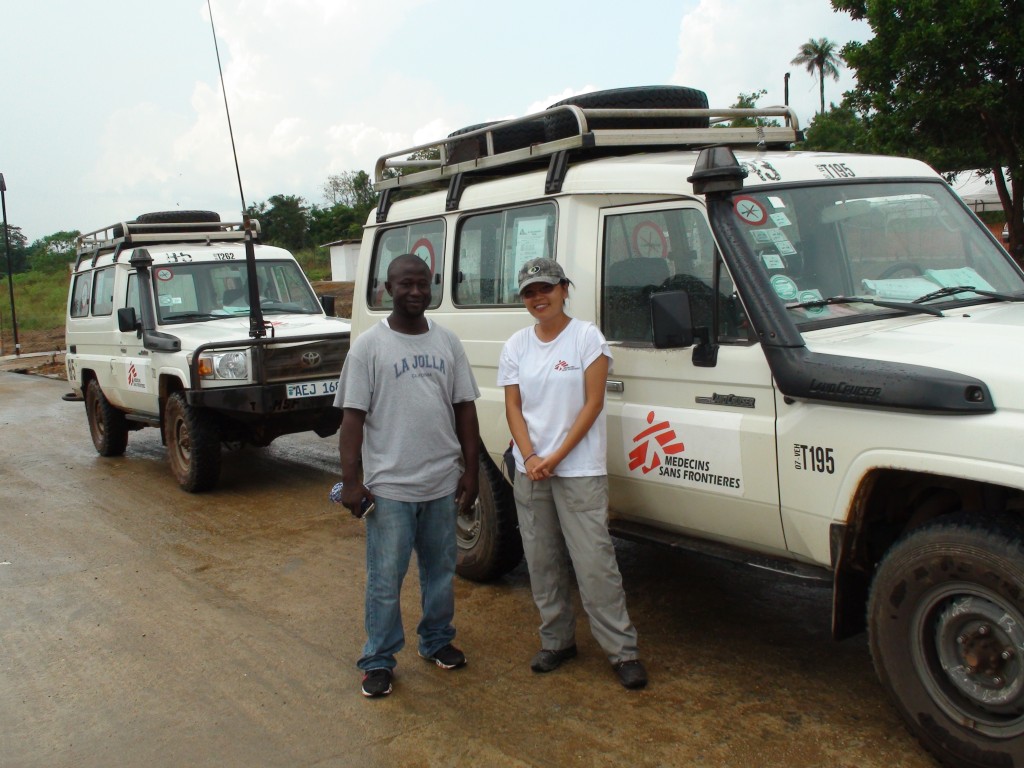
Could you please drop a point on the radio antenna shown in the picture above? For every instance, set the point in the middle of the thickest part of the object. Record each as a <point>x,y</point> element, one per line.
<point>224,92</point>
<point>257,326</point>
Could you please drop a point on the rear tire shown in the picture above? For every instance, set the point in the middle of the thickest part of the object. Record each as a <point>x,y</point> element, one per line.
<point>193,445</point>
<point>946,629</point>
<point>107,425</point>
<point>488,535</point>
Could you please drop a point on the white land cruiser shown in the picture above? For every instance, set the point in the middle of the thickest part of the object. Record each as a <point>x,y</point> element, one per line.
<point>170,325</point>
<point>816,368</point>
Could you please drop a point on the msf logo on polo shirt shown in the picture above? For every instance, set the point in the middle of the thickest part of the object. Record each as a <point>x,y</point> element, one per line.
<point>561,366</point>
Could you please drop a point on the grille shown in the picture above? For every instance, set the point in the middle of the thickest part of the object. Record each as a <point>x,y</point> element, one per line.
<point>309,360</point>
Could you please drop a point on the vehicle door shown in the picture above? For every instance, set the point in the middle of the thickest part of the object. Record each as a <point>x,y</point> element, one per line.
<point>133,365</point>
<point>691,446</point>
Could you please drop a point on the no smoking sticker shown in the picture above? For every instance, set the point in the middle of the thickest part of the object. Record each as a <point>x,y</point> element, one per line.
<point>750,210</point>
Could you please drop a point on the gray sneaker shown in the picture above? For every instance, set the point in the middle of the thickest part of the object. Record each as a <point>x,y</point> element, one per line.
<point>631,673</point>
<point>549,661</point>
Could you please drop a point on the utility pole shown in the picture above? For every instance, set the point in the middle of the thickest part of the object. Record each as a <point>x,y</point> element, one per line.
<point>7,251</point>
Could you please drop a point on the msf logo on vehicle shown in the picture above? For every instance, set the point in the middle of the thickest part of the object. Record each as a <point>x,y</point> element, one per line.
<point>135,378</point>
<point>645,456</point>
<point>310,360</point>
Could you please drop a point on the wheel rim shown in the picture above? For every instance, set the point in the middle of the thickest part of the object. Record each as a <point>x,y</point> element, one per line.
<point>468,524</point>
<point>968,654</point>
<point>97,418</point>
<point>182,443</point>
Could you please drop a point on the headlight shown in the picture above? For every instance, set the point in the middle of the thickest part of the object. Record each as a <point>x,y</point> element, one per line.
<point>224,365</point>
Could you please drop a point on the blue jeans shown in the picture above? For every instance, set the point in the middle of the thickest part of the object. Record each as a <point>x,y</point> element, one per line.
<point>393,531</point>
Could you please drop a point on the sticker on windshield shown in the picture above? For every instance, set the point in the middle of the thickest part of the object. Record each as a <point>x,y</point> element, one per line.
<point>784,287</point>
<point>772,261</point>
<point>164,274</point>
<point>750,210</point>
<point>812,295</point>
<point>780,219</point>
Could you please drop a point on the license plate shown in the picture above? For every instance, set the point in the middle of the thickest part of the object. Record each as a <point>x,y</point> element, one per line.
<point>312,388</point>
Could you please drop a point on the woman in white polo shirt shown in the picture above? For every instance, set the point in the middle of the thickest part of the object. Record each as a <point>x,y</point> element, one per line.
<point>554,377</point>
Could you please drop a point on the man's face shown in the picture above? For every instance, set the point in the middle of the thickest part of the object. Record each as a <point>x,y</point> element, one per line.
<point>409,285</point>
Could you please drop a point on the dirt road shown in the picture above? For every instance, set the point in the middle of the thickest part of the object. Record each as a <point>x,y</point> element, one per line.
<point>143,626</point>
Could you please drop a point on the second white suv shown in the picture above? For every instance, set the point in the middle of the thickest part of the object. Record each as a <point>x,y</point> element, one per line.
<point>178,321</point>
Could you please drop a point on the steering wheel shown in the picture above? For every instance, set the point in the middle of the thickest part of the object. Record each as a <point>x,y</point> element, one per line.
<point>899,266</point>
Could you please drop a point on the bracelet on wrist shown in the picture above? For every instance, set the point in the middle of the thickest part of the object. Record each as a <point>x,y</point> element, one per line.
<point>529,457</point>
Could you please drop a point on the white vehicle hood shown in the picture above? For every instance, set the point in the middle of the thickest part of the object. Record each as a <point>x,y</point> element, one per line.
<point>984,341</point>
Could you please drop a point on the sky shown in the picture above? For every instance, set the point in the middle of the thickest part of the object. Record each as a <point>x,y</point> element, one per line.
<point>114,108</point>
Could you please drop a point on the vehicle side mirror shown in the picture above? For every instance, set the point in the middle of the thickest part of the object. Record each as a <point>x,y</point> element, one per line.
<point>327,302</point>
<point>670,320</point>
<point>127,321</point>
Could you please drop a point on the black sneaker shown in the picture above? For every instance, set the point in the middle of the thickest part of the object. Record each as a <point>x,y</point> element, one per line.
<point>377,683</point>
<point>549,661</point>
<point>631,673</point>
<point>447,657</point>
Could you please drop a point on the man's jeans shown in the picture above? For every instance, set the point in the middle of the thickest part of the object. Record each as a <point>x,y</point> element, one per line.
<point>393,531</point>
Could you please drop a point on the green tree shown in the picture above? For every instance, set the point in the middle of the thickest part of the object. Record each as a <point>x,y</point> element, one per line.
<point>841,129</point>
<point>940,80</point>
<point>749,101</point>
<point>284,221</point>
<point>820,56</point>
<point>351,188</point>
<point>338,222</point>
<point>17,259</point>
<point>53,251</point>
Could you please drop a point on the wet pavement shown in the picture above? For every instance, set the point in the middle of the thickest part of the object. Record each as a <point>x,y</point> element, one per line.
<point>143,626</point>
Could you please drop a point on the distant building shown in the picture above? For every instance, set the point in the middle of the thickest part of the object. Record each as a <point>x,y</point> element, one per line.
<point>344,254</point>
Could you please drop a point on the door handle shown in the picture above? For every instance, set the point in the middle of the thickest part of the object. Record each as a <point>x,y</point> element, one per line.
<point>614,385</point>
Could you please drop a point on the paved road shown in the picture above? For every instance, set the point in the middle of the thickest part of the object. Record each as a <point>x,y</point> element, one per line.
<point>142,626</point>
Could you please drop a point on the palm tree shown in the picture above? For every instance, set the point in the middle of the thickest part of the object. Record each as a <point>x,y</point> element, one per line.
<point>820,56</point>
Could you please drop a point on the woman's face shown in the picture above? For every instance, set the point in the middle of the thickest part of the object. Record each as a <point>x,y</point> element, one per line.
<point>545,301</point>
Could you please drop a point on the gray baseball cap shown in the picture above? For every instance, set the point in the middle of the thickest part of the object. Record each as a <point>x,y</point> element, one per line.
<point>541,271</point>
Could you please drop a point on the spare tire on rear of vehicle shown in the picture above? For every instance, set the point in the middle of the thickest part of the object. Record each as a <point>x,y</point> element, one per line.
<point>560,125</point>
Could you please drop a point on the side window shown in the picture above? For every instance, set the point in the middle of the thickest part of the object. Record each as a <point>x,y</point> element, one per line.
<point>663,250</point>
<point>425,239</point>
<point>80,295</point>
<point>133,295</point>
<point>103,291</point>
<point>491,248</point>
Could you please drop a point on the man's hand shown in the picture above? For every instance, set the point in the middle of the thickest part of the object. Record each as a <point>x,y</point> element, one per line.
<point>467,490</point>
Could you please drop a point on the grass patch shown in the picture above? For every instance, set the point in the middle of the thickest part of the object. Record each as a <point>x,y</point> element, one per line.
<point>40,299</point>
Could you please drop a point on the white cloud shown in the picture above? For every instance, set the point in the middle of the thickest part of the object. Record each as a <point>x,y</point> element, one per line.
<point>728,47</point>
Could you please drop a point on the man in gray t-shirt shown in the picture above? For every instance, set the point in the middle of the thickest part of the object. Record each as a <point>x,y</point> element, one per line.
<point>408,393</point>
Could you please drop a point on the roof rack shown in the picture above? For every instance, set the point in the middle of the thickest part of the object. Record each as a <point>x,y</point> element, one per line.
<point>125,234</point>
<point>581,141</point>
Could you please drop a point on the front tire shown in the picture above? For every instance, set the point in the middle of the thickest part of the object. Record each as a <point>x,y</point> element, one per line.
<point>946,629</point>
<point>107,425</point>
<point>488,535</point>
<point>193,445</point>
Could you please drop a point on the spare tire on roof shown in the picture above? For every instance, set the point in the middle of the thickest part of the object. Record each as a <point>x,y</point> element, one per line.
<point>173,217</point>
<point>558,126</point>
<point>177,217</point>
<point>513,137</point>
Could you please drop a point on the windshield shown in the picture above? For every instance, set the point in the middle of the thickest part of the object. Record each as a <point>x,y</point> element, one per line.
<point>213,290</point>
<point>891,244</point>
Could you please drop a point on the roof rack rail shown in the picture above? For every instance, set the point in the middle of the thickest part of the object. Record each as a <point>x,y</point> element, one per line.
<point>124,234</point>
<point>580,140</point>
